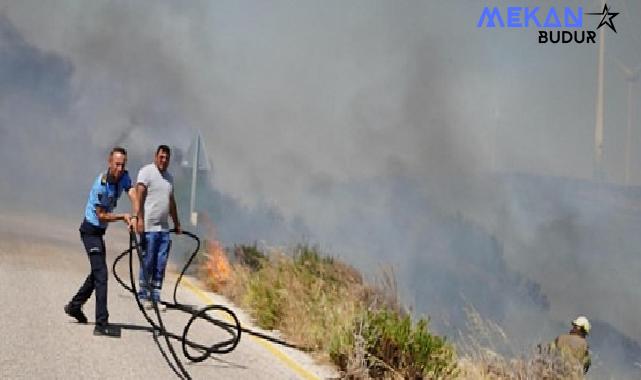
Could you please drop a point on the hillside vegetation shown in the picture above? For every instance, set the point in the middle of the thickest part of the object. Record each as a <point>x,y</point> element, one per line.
<point>324,305</point>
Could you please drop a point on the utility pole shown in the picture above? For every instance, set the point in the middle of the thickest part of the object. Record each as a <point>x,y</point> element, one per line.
<point>599,173</point>
<point>194,174</point>
<point>631,77</point>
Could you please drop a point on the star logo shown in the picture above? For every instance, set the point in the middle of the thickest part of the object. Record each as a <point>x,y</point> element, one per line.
<point>606,18</point>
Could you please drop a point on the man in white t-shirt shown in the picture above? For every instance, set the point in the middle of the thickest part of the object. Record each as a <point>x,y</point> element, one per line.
<point>155,192</point>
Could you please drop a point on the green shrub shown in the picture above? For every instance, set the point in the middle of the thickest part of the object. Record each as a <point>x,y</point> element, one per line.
<point>407,348</point>
<point>249,256</point>
<point>309,259</point>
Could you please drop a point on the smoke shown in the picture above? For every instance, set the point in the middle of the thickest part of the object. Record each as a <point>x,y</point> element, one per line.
<point>34,99</point>
<point>390,133</point>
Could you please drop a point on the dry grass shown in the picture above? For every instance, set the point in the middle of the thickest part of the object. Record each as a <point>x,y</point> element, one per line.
<point>305,296</point>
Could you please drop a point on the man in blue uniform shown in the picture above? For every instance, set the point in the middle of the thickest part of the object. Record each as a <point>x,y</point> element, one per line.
<point>103,198</point>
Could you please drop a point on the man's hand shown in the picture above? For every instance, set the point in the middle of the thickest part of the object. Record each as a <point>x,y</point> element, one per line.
<point>140,226</point>
<point>127,219</point>
<point>178,229</point>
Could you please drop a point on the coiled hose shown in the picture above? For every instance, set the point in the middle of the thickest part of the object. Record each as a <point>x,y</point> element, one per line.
<point>223,347</point>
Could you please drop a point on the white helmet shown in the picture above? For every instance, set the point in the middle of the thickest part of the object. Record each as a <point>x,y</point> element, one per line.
<point>583,323</point>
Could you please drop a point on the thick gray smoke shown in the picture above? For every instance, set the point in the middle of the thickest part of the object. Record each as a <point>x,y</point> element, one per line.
<point>389,132</point>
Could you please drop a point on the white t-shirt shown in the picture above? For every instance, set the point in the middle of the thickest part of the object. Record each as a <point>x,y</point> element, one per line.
<point>159,188</point>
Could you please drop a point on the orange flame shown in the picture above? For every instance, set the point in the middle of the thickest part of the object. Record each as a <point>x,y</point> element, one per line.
<point>217,267</point>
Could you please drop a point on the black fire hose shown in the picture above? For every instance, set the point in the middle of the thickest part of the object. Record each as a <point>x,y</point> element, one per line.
<point>233,329</point>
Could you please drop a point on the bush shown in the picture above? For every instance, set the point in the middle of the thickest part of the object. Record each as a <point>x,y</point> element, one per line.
<point>249,256</point>
<point>391,346</point>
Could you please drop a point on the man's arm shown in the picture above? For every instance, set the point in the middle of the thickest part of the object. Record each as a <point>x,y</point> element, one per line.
<point>141,194</point>
<point>134,206</point>
<point>173,211</point>
<point>105,216</point>
<point>587,361</point>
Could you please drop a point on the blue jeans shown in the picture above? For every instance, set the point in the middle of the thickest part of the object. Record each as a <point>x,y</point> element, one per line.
<point>155,247</point>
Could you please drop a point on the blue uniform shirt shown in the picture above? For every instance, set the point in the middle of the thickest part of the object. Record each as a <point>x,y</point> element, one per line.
<point>105,195</point>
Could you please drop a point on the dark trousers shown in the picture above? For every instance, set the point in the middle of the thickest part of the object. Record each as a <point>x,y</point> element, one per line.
<point>97,278</point>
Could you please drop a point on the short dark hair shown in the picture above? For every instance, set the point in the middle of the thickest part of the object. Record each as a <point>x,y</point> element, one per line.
<point>163,148</point>
<point>118,149</point>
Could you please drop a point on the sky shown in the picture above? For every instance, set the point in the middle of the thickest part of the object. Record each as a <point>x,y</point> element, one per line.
<point>391,129</point>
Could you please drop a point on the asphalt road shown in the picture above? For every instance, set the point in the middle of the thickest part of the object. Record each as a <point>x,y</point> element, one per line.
<point>42,264</point>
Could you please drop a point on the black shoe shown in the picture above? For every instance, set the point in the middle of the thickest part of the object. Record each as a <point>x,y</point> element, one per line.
<point>107,330</point>
<point>76,313</point>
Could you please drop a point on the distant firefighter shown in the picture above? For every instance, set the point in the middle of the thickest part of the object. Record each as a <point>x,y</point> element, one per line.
<point>574,344</point>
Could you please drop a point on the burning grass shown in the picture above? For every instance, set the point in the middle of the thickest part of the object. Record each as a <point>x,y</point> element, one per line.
<point>216,269</point>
